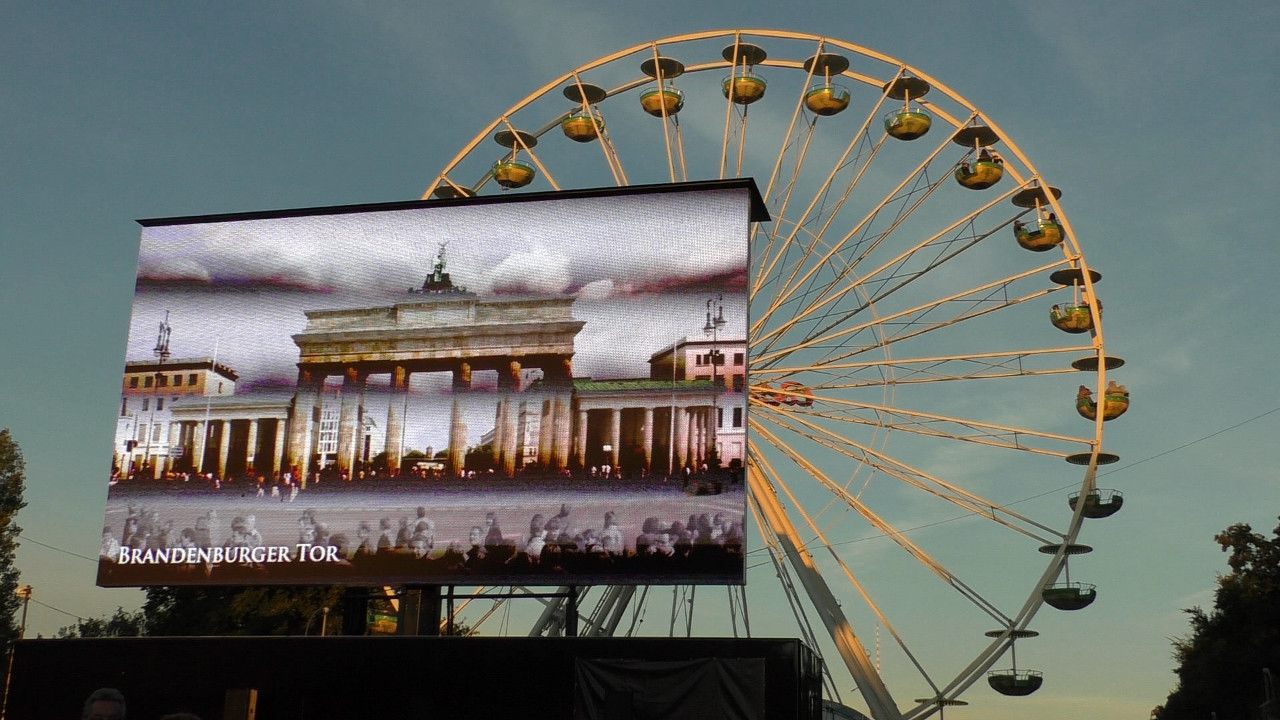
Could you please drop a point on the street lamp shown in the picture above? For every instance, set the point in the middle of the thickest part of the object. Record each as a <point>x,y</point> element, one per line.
<point>715,321</point>
<point>24,594</point>
<point>161,351</point>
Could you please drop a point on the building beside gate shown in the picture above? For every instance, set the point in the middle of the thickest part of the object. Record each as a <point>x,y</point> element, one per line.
<point>146,439</point>
<point>724,363</point>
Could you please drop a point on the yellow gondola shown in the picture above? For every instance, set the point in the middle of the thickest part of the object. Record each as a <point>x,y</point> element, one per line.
<point>666,101</point>
<point>826,99</point>
<point>1115,402</point>
<point>1072,318</point>
<point>982,175</point>
<point>907,124</point>
<point>746,88</point>
<point>582,126</point>
<point>1039,236</point>
<point>513,173</point>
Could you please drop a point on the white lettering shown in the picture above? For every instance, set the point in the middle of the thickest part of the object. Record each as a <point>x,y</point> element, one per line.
<point>162,555</point>
<point>124,556</point>
<point>332,554</point>
<point>303,548</point>
<point>258,554</point>
<point>317,553</point>
<point>203,555</point>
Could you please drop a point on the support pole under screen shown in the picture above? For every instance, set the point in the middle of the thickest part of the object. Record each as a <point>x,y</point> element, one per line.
<point>571,612</point>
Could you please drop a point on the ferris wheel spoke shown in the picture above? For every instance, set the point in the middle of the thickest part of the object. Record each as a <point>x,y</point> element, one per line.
<point>606,145</point>
<point>786,137</point>
<point>857,139</point>
<point>950,492</point>
<point>684,168</point>
<point>888,529</point>
<point>777,558</point>
<point>729,110</point>
<point>793,285</point>
<point>996,361</point>
<point>518,140</point>
<point>892,269</point>
<point>912,316</point>
<point>982,428</point>
<point>923,428</point>
<point>666,126</point>
<point>777,481</point>
<point>928,376</point>
<point>860,166</point>
<point>841,631</point>
<point>915,328</point>
<point>885,273</point>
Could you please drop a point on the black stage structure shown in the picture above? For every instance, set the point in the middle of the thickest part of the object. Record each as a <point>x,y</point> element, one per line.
<point>332,678</point>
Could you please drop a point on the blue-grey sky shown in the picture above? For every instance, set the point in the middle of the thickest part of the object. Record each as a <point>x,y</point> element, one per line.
<point>1155,118</point>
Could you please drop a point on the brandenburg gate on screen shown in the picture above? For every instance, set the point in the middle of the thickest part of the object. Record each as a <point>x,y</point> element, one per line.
<point>653,424</point>
<point>447,329</point>
<point>453,332</point>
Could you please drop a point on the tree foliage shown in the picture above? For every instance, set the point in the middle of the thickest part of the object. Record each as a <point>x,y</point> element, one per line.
<point>238,611</point>
<point>121,624</point>
<point>1220,663</point>
<point>13,477</point>
<point>197,611</point>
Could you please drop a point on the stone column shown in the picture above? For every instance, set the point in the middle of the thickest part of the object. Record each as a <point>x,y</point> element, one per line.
<point>695,434</point>
<point>713,429</point>
<point>349,419</point>
<point>278,456</point>
<point>499,424</point>
<point>511,440</point>
<point>175,432</point>
<point>298,449</point>
<point>615,435</point>
<point>546,432</point>
<point>682,438</point>
<point>395,418</point>
<point>561,431</point>
<point>313,435</point>
<point>457,439</point>
<point>646,428</point>
<point>559,370</point>
<point>199,431</point>
<point>580,440</point>
<point>251,447</point>
<point>695,437</point>
<point>224,447</point>
<point>462,377</point>
<point>704,432</point>
<point>509,377</point>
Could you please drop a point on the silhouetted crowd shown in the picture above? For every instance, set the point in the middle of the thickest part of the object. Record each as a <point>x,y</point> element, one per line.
<point>409,547</point>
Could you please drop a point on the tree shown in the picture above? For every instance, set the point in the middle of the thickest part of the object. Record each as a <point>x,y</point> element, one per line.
<point>13,477</point>
<point>237,610</point>
<point>1220,664</point>
<point>121,624</point>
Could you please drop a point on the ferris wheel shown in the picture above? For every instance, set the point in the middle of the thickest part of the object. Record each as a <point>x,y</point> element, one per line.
<point>922,321</point>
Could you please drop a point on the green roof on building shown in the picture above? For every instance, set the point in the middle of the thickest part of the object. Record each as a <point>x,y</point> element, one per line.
<point>587,385</point>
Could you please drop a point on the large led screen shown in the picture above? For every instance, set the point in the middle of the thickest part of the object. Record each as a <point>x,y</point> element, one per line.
<point>526,389</point>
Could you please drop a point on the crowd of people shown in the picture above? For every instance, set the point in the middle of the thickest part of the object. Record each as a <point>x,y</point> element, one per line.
<point>286,485</point>
<point>411,545</point>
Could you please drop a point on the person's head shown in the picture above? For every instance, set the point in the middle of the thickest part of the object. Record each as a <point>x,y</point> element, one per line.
<point>104,704</point>
<point>476,535</point>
